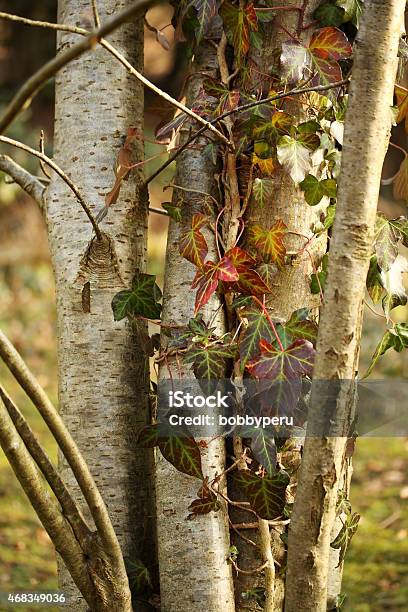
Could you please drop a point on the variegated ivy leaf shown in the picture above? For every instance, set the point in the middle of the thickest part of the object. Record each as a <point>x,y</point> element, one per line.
<point>181,451</point>
<point>330,43</point>
<point>255,328</point>
<point>209,362</point>
<point>249,281</point>
<point>275,363</point>
<point>239,23</point>
<point>266,495</point>
<point>193,245</point>
<point>395,338</point>
<point>294,61</point>
<point>268,243</point>
<point>386,240</point>
<point>207,277</point>
<point>300,326</point>
<point>206,10</point>
<point>342,540</point>
<point>294,157</point>
<point>267,272</point>
<point>262,190</point>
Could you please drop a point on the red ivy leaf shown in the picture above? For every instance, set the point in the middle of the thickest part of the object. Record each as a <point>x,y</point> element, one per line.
<point>327,71</point>
<point>206,279</point>
<point>193,245</point>
<point>269,243</point>
<point>249,281</point>
<point>330,43</point>
<point>288,364</point>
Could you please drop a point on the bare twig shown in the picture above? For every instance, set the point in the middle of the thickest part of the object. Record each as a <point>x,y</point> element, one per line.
<point>113,51</point>
<point>266,554</point>
<point>68,505</point>
<point>96,13</point>
<point>44,505</point>
<point>39,78</point>
<point>61,173</point>
<point>27,181</point>
<point>74,457</point>
<point>256,570</point>
<point>198,133</point>
<point>42,165</point>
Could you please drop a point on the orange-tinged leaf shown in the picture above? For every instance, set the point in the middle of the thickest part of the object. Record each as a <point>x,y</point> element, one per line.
<point>402,102</point>
<point>240,258</point>
<point>193,245</point>
<point>206,279</point>
<point>249,281</point>
<point>266,166</point>
<point>269,243</point>
<point>238,24</point>
<point>330,43</point>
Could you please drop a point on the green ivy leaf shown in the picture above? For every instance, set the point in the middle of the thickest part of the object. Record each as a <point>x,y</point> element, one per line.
<point>353,10</point>
<point>374,284</point>
<point>386,239</point>
<point>140,300</point>
<point>206,10</point>
<point>239,22</point>
<point>139,576</point>
<point>266,495</point>
<point>264,449</point>
<point>395,338</point>
<point>315,190</point>
<point>329,14</point>
<point>318,281</point>
<point>173,211</point>
<point>262,191</point>
<point>342,540</point>
<point>300,327</point>
<point>209,362</point>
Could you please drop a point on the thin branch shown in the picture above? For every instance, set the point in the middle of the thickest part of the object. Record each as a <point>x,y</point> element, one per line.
<point>44,505</point>
<point>27,181</point>
<point>96,13</point>
<point>111,49</point>
<point>44,463</point>
<point>198,133</point>
<point>266,554</point>
<point>61,173</point>
<point>256,570</point>
<point>73,455</point>
<point>39,78</point>
<point>42,165</point>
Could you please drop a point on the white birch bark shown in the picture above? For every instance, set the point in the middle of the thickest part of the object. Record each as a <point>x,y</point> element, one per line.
<point>103,377</point>
<point>194,572</point>
<point>366,136</point>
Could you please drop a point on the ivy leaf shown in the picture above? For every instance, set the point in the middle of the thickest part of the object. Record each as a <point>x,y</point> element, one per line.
<point>257,327</point>
<point>206,10</point>
<point>299,326</point>
<point>262,190</point>
<point>331,44</point>
<point>330,215</point>
<point>193,245</point>
<point>267,272</point>
<point>374,285</point>
<point>266,495</point>
<point>386,240</point>
<point>173,211</point>
<point>342,540</point>
<point>265,165</point>
<point>318,281</point>
<point>264,449</point>
<point>249,280</point>
<point>330,14</point>
<point>208,276</point>
<point>148,436</point>
<point>239,23</point>
<point>353,10</point>
<point>206,502</point>
<point>327,72</point>
<point>284,364</point>
<point>139,576</point>
<point>392,283</point>
<point>140,300</point>
<point>395,338</point>
<point>209,362</point>
<point>315,190</point>
<point>294,157</point>
<point>269,243</point>
<point>294,60</point>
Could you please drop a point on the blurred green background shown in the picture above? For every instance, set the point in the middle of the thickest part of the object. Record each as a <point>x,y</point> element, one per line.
<point>376,576</point>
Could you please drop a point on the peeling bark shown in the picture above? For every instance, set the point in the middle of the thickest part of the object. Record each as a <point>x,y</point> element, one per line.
<point>366,137</point>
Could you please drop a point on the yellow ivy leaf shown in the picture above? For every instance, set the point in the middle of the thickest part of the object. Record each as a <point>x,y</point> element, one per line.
<point>266,166</point>
<point>402,103</point>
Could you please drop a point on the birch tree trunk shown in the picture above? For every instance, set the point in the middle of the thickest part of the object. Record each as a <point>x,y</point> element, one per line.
<point>291,287</point>
<point>194,572</point>
<point>103,376</point>
<point>366,137</point>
